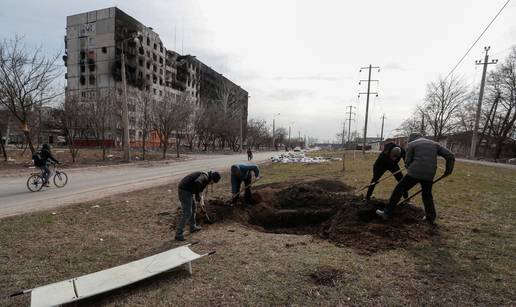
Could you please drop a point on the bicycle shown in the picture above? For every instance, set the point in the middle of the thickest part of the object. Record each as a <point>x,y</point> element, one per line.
<point>35,181</point>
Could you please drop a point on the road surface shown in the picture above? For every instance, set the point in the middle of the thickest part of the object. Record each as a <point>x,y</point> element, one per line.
<point>97,182</point>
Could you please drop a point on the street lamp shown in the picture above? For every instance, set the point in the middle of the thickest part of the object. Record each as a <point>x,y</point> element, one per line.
<point>274,130</point>
<point>125,108</point>
<point>289,128</point>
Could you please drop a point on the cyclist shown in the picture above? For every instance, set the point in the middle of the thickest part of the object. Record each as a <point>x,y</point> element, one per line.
<point>41,158</point>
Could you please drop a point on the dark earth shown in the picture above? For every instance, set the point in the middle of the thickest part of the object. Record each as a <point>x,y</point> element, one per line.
<point>327,209</point>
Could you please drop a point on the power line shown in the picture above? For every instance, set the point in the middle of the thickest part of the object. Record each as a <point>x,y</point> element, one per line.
<point>476,41</point>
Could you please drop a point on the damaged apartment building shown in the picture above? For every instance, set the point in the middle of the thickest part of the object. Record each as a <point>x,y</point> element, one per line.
<point>94,43</point>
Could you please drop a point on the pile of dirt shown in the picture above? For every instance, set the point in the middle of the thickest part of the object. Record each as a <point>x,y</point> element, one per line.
<point>328,210</point>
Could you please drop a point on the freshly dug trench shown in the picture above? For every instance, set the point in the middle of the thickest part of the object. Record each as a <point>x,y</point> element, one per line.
<point>333,214</point>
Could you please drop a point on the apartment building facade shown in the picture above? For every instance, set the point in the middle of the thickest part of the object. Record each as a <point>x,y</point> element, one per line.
<point>94,43</point>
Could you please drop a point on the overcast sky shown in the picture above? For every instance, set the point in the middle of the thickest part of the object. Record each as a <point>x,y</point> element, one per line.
<point>302,58</point>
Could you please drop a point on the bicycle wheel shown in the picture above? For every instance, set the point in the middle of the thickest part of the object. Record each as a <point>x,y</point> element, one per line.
<point>34,183</point>
<point>60,179</point>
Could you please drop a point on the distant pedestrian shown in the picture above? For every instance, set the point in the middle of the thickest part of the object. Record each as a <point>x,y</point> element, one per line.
<point>190,186</point>
<point>421,163</point>
<point>249,154</point>
<point>243,173</point>
<point>387,161</point>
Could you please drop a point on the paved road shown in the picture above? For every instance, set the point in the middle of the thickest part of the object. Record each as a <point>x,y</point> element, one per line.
<point>93,183</point>
<point>487,163</point>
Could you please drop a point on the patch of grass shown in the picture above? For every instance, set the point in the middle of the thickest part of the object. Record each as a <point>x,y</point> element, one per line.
<point>470,262</point>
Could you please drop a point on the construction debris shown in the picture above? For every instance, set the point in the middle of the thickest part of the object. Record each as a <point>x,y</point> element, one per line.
<point>300,157</point>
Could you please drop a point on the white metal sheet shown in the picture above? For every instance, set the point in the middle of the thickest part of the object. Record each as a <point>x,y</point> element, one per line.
<point>53,294</point>
<point>110,279</point>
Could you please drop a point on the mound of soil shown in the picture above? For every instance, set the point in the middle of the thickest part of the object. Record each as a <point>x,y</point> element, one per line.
<point>328,210</point>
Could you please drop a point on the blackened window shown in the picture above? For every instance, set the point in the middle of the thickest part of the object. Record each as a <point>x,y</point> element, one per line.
<point>155,46</point>
<point>82,79</point>
<point>140,61</point>
<point>104,50</point>
<point>148,41</point>
<point>92,79</point>
<point>83,68</point>
<point>148,65</point>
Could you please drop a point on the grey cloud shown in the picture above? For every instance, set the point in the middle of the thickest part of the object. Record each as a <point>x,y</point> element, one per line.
<point>393,66</point>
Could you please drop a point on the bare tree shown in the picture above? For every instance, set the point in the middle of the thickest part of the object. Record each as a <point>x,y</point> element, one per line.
<point>410,125</point>
<point>171,115</point>
<point>143,107</point>
<point>26,81</point>
<point>72,121</point>
<point>501,102</point>
<point>101,118</point>
<point>443,100</point>
<point>4,118</point>
<point>258,133</point>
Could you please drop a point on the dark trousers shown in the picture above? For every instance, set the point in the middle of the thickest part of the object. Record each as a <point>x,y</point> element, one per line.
<point>378,171</point>
<point>404,186</point>
<point>46,173</point>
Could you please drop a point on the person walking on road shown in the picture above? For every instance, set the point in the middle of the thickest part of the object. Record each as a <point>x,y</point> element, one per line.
<point>421,163</point>
<point>249,154</point>
<point>243,173</point>
<point>190,186</point>
<point>387,161</point>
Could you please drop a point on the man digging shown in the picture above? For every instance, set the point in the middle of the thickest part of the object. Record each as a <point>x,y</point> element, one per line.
<point>193,184</point>
<point>243,173</point>
<point>421,164</point>
<point>387,161</point>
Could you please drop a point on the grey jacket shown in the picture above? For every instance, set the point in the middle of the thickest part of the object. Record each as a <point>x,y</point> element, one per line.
<point>421,159</point>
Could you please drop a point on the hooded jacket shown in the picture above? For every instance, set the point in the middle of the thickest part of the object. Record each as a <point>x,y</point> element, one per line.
<point>421,157</point>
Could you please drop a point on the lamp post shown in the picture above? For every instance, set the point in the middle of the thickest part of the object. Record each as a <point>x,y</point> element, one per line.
<point>125,108</point>
<point>274,131</point>
<point>289,130</point>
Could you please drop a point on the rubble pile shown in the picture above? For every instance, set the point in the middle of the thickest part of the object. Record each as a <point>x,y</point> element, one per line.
<point>300,157</point>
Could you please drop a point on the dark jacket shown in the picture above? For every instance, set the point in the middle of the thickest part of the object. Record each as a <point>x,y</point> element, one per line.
<point>195,183</point>
<point>246,171</point>
<point>47,155</point>
<point>384,157</point>
<point>421,158</point>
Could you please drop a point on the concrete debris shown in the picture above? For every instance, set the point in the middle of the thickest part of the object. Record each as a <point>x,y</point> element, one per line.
<point>300,157</point>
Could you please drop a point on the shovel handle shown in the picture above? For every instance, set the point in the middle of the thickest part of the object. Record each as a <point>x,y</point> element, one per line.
<point>418,192</point>
<point>378,181</point>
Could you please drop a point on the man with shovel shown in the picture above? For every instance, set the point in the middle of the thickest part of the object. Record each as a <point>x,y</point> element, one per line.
<point>193,184</point>
<point>243,173</point>
<point>421,163</point>
<point>387,161</point>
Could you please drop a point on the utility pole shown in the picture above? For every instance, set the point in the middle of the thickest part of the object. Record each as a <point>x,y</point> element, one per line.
<point>343,134</point>
<point>125,111</point>
<point>423,129</point>
<point>274,131</point>
<point>241,123</point>
<point>474,138</point>
<point>369,68</point>
<point>350,113</point>
<point>381,134</point>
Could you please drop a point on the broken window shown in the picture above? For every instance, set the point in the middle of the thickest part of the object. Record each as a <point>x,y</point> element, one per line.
<point>92,67</point>
<point>92,79</point>
<point>140,62</point>
<point>83,55</point>
<point>160,60</point>
<point>83,68</point>
<point>148,65</point>
<point>155,47</point>
<point>104,49</point>
<point>82,79</point>
<point>148,41</point>
<point>154,68</point>
<point>160,81</point>
<point>154,57</point>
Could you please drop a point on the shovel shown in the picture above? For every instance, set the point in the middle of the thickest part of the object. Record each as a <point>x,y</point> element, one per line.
<point>418,192</point>
<point>240,191</point>
<point>376,182</point>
